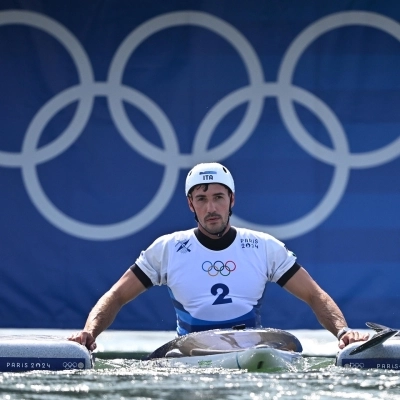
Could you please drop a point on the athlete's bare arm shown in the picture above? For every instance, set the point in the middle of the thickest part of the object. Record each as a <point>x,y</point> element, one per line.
<point>106,309</point>
<point>326,310</point>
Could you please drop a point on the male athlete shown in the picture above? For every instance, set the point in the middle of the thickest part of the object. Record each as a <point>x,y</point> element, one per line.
<point>216,274</point>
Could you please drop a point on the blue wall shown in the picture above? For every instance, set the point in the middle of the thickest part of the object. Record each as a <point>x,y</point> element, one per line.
<point>105,105</point>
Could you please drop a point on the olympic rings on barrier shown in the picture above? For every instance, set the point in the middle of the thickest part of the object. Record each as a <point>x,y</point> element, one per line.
<point>73,365</point>
<point>70,365</point>
<point>219,267</point>
<point>286,93</point>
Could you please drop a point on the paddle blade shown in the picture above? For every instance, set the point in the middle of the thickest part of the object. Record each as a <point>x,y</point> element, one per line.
<point>378,327</point>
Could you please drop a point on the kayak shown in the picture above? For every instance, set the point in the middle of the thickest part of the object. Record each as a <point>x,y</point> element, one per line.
<point>255,350</point>
<point>252,360</point>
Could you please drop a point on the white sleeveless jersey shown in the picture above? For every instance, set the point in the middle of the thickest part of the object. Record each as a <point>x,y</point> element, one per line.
<point>216,289</point>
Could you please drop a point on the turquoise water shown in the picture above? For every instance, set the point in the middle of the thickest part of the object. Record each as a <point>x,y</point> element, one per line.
<point>316,378</point>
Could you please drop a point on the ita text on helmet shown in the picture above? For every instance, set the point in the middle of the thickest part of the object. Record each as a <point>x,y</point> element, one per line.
<point>206,173</point>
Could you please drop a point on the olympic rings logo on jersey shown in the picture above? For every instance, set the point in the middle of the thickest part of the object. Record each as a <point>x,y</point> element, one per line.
<point>218,267</point>
<point>117,94</point>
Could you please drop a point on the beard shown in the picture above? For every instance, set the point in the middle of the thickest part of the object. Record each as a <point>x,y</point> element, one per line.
<point>215,223</point>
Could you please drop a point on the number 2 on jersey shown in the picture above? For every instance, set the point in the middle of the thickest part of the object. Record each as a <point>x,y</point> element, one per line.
<point>221,299</point>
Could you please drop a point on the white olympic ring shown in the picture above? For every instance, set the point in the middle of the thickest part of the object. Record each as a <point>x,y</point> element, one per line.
<point>69,365</point>
<point>339,156</point>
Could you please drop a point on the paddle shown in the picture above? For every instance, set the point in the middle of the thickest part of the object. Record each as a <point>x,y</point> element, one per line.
<point>378,327</point>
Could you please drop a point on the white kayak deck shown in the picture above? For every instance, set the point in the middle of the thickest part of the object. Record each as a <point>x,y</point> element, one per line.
<point>135,344</point>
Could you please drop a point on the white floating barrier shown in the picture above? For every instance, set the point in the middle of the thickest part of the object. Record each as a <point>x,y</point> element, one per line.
<point>45,353</point>
<point>382,356</point>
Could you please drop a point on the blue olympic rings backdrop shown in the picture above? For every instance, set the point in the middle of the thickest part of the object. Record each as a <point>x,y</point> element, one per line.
<point>105,106</point>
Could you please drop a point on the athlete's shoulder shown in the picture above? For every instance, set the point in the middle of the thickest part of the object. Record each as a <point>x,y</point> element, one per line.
<point>179,242</point>
<point>165,244</point>
<point>178,236</point>
<point>173,237</point>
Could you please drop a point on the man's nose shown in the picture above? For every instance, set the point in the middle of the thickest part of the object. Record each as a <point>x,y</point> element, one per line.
<point>211,206</point>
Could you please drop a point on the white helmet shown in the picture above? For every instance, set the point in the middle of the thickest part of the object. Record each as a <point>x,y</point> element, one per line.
<point>206,173</point>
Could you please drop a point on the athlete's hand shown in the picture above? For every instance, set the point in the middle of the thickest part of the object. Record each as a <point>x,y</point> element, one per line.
<point>84,338</point>
<point>351,337</point>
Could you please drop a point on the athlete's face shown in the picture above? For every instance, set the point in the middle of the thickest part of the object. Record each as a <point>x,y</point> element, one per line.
<point>211,207</point>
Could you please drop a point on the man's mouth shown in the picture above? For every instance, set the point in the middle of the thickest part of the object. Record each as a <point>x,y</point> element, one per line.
<point>213,218</point>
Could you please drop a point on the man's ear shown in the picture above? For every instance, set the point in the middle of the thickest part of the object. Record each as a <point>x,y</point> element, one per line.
<point>232,199</point>
<point>190,204</point>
